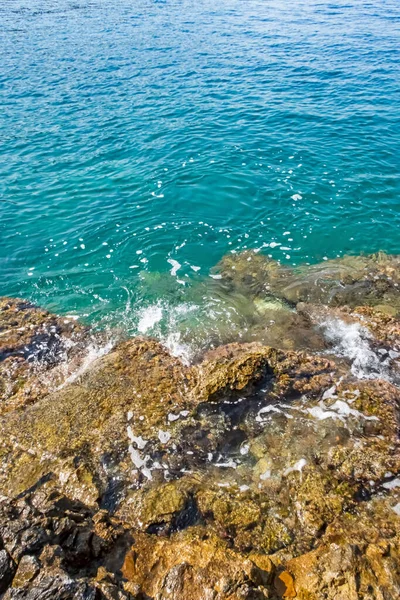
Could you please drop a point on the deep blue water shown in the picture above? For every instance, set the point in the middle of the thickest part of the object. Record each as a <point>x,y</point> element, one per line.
<point>136,132</point>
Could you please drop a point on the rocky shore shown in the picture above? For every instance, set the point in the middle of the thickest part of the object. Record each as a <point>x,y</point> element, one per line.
<point>264,469</point>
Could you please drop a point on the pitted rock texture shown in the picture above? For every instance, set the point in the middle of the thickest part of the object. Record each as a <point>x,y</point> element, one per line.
<point>256,473</point>
<point>59,548</point>
<point>33,344</point>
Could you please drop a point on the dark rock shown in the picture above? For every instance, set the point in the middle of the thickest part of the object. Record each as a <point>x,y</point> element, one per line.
<point>7,570</point>
<point>54,588</point>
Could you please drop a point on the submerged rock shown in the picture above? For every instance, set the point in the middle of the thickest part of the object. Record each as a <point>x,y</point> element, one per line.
<point>371,280</point>
<point>251,297</point>
<point>251,273</point>
<point>257,472</point>
<point>349,281</point>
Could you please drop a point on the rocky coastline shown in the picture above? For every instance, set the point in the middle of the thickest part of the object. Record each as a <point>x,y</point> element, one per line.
<point>267,468</point>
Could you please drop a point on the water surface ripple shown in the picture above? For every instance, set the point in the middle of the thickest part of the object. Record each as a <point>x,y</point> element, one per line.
<point>133,133</point>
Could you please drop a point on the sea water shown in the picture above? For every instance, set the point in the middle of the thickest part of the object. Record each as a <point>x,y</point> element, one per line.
<point>141,141</point>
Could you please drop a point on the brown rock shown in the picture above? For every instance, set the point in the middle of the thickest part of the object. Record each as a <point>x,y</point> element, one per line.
<point>256,473</point>
<point>33,344</point>
<point>192,565</point>
<point>28,568</point>
<point>284,585</point>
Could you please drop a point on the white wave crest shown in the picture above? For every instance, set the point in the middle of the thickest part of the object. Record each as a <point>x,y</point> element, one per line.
<point>352,341</point>
<point>149,317</point>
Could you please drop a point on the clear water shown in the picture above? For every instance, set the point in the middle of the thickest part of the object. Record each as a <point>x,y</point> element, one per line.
<point>134,133</point>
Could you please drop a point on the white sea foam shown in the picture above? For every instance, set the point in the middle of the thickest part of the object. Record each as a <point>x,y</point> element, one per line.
<point>298,466</point>
<point>166,322</point>
<point>177,348</point>
<point>172,417</point>
<point>93,352</point>
<point>230,464</point>
<point>330,393</point>
<point>265,475</point>
<point>266,411</point>
<point>139,462</point>
<point>396,509</point>
<point>149,317</point>
<point>391,485</point>
<point>138,440</point>
<point>352,341</point>
<point>340,410</point>
<point>164,436</point>
<point>175,266</point>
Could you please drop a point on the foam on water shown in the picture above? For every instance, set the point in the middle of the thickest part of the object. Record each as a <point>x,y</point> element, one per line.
<point>353,342</point>
<point>149,317</point>
<point>175,266</point>
<point>391,485</point>
<point>396,509</point>
<point>163,320</point>
<point>338,410</point>
<point>298,466</point>
<point>177,348</point>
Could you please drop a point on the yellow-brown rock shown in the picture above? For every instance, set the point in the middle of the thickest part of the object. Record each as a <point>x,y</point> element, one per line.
<point>35,349</point>
<point>194,565</point>
<point>256,473</point>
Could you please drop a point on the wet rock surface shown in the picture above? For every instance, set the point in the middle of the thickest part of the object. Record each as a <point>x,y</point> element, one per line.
<point>35,346</point>
<point>256,472</point>
<point>370,280</point>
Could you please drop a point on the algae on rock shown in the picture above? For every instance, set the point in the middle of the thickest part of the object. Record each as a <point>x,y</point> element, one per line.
<point>256,473</point>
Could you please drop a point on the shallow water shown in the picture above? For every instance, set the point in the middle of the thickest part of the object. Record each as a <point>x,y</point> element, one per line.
<point>142,142</point>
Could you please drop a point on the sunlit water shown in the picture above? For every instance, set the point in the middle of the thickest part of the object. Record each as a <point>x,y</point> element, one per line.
<point>141,141</point>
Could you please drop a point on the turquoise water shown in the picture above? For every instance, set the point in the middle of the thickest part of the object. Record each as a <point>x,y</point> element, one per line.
<point>133,133</point>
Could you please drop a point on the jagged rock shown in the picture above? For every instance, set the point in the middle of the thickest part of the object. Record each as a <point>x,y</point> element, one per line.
<point>54,547</point>
<point>80,433</point>
<point>161,507</point>
<point>240,367</point>
<point>7,570</point>
<point>195,564</point>
<point>33,343</point>
<point>385,328</point>
<point>229,369</point>
<point>358,557</point>
<point>104,433</point>
<point>54,588</point>
<point>255,473</point>
<point>284,585</point>
<point>28,568</point>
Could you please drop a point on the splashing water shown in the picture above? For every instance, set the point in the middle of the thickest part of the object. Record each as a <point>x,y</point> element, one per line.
<point>353,342</point>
